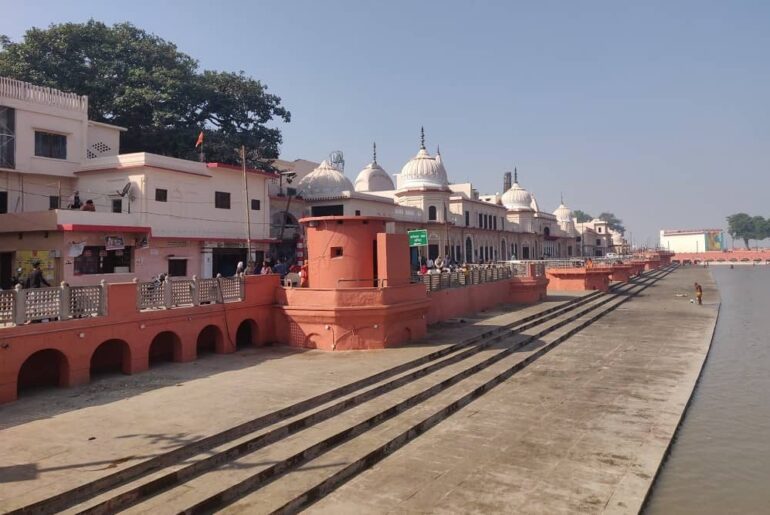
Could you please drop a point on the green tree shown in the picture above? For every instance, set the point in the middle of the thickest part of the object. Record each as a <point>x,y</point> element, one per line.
<point>741,225</point>
<point>614,223</point>
<point>581,216</point>
<point>139,81</point>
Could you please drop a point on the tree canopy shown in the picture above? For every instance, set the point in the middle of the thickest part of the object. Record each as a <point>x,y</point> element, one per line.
<point>613,222</point>
<point>582,216</point>
<point>747,227</point>
<point>142,82</point>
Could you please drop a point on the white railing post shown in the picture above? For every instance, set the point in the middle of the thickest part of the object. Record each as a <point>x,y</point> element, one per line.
<point>167,297</point>
<point>195,293</point>
<point>19,314</point>
<point>135,280</point>
<point>65,301</point>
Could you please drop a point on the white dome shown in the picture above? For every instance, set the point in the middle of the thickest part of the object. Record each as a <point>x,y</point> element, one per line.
<point>423,171</point>
<point>324,182</point>
<point>374,178</point>
<point>563,213</point>
<point>517,198</point>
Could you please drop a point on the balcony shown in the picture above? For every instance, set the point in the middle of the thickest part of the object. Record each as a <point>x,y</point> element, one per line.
<point>70,220</point>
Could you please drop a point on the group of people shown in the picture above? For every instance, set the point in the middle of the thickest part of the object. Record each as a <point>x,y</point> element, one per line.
<point>75,203</point>
<point>440,265</point>
<point>281,267</point>
<point>35,279</point>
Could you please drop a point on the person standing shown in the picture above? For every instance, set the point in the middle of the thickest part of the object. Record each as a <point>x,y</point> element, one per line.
<point>37,280</point>
<point>699,293</point>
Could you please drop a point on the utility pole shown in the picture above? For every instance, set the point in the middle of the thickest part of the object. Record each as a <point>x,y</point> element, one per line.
<point>246,205</point>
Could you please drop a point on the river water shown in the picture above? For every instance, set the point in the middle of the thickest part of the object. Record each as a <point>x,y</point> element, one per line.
<point>720,461</point>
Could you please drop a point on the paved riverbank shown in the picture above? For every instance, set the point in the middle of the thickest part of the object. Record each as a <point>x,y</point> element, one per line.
<point>583,429</point>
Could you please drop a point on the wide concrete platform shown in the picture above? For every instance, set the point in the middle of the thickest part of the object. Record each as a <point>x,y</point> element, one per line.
<point>583,428</point>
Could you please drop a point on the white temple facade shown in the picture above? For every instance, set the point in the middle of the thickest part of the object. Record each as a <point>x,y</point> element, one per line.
<point>462,225</point>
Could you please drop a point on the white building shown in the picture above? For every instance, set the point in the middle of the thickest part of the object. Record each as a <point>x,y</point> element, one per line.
<point>152,214</point>
<point>696,240</point>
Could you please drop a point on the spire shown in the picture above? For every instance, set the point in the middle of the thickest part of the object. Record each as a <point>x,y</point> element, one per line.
<point>438,150</point>
<point>562,198</point>
<point>515,175</point>
<point>374,152</point>
<point>422,138</point>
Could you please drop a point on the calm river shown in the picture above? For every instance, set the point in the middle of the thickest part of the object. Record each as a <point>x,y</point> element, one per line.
<point>720,461</point>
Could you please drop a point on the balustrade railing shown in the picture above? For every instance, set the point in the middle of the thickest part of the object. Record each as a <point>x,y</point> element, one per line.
<point>23,306</point>
<point>464,277</point>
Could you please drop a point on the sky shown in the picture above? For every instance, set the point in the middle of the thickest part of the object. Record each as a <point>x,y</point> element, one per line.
<point>657,111</point>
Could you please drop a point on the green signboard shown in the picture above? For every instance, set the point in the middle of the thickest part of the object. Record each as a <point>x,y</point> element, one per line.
<point>418,238</point>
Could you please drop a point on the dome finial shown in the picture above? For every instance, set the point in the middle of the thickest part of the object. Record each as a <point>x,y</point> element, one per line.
<point>422,138</point>
<point>374,152</point>
<point>561,195</point>
<point>438,150</point>
<point>515,175</point>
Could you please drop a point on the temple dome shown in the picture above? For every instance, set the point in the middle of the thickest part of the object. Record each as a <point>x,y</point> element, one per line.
<point>517,198</point>
<point>423,171</point>
<point>324,182</point>
<point>563,213</point>
<point>374,178</point>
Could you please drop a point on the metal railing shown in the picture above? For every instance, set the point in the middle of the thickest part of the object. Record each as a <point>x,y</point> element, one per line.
<point>171,293</point>
<point>465,277</point>
<point>22,306</point>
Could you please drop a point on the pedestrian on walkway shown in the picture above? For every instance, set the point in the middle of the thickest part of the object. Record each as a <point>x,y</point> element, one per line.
<point>699,293</point>
<point>36,279</point>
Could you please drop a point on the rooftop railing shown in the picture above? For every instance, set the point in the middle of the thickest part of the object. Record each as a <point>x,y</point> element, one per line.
<point>41,95</point>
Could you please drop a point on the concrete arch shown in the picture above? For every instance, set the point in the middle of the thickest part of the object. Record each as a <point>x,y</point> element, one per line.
<point>165,346</point>
<point>44,368</point>
<point>112,355</point>
<point>247,334</point>
<point>210,339</point>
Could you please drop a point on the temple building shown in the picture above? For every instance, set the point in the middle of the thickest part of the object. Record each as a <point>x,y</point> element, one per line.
<point>462,225</point>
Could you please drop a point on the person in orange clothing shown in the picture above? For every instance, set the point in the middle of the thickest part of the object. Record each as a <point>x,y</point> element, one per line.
<point>303,278</point>
<point>699,293</point>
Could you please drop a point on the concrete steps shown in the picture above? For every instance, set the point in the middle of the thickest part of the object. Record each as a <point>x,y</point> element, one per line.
<point>287,459</point>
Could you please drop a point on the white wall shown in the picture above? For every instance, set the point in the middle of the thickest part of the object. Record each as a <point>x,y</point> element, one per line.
<point>684,242</point>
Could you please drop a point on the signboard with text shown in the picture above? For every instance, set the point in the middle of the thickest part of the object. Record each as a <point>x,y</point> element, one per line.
<point>418,238</point>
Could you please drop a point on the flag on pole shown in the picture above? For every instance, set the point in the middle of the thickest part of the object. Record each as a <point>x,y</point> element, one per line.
<point>200,140</point>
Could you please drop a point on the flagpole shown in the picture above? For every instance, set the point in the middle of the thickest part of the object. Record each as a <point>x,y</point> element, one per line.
<point>246,205</point>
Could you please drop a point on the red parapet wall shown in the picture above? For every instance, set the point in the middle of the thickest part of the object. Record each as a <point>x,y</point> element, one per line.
<point>579,279</point>
<point>128,340</point>
<point>730,256</point>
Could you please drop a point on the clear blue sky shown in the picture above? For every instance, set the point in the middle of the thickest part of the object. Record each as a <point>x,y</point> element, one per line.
<point>656,111</point>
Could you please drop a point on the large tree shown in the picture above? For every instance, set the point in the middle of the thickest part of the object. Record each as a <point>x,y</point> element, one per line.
<point>144,83</point>
<point>747,227</point>
<point>614,223</point>
<point>581,216</point>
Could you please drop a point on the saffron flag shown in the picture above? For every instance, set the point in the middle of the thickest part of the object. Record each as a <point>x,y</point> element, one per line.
<point>200,140</point>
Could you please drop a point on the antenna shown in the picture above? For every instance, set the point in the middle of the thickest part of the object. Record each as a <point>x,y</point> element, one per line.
<point>374,152</point>
<point>125,190</point>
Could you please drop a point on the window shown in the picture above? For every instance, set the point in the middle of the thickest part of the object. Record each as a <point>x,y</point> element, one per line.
<point>432,213</point>
<point>292,192</point>
<point>599,242</point>
<point>7,137</point>
<point>177,267</point>
<point>494,223</point>
<point>117,205</point>
<point>50,145</point>
<point>98,260</point>
<point>598,229</point>
<point>161,195</point>
<point>53,202</point>
<point>335,210</point>
<point>336,252</point>
<point>3,201</point>
<point>358,212</point>
<point>481,220</point>
<point>467,219</point>
<point>256,205</point>
<point>221,200</point>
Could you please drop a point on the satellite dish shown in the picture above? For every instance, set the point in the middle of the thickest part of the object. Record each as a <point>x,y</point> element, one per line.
<point>337,160</point>
<point>125,190</point>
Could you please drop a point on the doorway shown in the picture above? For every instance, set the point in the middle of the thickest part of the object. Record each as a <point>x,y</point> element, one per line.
<point>225,261</point>
<point>6,270</point>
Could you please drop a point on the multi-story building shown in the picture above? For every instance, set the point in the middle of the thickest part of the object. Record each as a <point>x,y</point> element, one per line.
<point>152,213</point>
<point>692,240</point>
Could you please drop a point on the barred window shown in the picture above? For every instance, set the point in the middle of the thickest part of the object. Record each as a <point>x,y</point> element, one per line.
<point>50,145</point>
